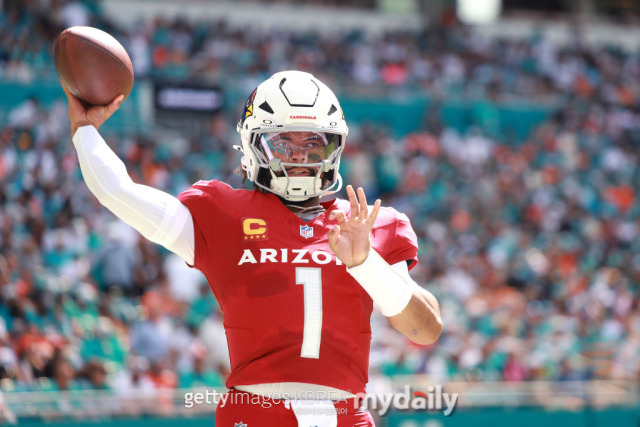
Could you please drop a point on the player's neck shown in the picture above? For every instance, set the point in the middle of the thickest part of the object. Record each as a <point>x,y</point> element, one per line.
<point>299,205</point>
<point>305,209</point>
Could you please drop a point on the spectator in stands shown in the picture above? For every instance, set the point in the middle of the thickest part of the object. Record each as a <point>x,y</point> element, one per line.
<point>117,263</point>
<point>150,337</point>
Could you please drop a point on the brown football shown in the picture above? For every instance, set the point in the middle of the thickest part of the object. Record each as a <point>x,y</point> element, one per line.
<point>93,65</point>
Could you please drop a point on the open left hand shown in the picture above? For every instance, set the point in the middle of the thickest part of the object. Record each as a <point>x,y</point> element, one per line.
<point>349,240</point>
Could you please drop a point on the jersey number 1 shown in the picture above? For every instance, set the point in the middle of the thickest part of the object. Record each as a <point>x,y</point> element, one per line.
<point>311,279</point>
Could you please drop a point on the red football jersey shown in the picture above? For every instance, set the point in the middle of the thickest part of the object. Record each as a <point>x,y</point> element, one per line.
<point>291,311</point>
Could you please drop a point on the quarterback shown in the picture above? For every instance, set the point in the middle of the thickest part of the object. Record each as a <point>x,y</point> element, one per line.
<point>296,277</point>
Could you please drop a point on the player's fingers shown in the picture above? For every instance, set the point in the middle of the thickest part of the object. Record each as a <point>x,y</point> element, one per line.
<point>73,101</point>
<point>114,105</point>
<point>333,237</point>
<point>374,213</point>
<point>64,88</point>
<point>364,209</point>
<point>339,216</point>
<point>355,209</point>
<point>117,101</point>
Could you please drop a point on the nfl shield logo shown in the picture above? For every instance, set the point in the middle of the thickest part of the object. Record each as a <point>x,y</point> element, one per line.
<point>306,231</point>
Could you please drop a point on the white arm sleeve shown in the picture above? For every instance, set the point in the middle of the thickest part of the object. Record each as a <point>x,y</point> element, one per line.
<point>158,216</point>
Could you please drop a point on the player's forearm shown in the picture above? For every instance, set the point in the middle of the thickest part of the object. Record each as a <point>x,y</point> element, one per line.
<point>158,216</point>
<point>410,309</point>
<point>420,321</point>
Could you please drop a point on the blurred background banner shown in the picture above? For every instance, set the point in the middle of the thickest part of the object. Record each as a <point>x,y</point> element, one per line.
<point>191,99</point>
<point>508,131</point>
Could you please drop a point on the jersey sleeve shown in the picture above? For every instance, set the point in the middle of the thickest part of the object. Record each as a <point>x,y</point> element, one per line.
<point>400,241</point>
<point>201,202</point>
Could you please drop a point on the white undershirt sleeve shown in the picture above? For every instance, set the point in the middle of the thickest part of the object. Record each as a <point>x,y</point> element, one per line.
<point>158,216</point>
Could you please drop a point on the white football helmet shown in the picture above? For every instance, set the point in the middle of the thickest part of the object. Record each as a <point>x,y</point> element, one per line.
<point>293,132</point>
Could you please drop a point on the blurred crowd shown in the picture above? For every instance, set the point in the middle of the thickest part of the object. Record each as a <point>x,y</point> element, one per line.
<point>532,246</point>
<point>85,302</point>
<point>447,61</point>
<point>532,249</point>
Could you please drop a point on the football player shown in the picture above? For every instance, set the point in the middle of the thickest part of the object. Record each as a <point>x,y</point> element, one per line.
<point>296,278</point>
